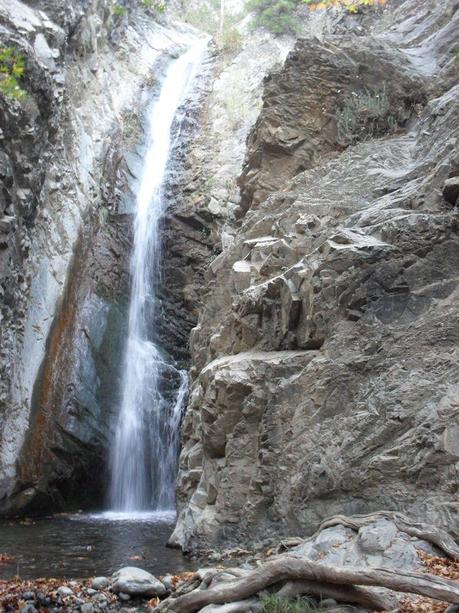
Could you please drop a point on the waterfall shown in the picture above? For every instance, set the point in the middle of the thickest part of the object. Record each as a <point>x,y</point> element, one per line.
<point>144,451</point>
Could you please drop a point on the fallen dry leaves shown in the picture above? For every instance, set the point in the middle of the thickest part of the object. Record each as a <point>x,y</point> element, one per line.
<point>434,565</point>
<point>442,567</point>
<point>154,602</point>
<point>5,558</point>
<point>12,590</point>
<point>422,605</point>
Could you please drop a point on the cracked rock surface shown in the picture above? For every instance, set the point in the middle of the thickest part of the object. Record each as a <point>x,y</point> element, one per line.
<point>325,360</point>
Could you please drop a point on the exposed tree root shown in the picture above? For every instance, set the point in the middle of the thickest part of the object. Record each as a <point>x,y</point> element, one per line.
<point>438,537</point>
<point>290,568</point>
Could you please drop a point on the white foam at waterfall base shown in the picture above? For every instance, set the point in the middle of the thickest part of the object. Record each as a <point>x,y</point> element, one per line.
<point>154,517</point>
<point>143,455</point>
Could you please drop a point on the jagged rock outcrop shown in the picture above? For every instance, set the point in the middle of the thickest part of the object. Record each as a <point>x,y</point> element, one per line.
<point>325,358</point>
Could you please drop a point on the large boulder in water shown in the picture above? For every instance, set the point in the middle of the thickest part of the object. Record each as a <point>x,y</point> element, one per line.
<point>137,582</point>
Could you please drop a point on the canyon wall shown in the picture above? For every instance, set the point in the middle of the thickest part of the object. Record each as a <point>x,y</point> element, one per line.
<point>309,265</point>
<point>325,360</point>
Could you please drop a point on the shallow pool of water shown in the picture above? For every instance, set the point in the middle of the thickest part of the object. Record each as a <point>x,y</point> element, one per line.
<point>82,546</point>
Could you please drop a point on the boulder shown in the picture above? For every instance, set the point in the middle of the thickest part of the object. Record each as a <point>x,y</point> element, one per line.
<point>136,582</point>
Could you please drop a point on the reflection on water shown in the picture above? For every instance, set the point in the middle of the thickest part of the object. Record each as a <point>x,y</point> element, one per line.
<point>81,546</point>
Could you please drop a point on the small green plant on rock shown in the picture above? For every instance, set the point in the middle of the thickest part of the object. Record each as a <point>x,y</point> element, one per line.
<point>230,40</point>
<point>352,6</point>
<point>159,6</point>
<point>280,604</point>
<point>119,9</point>
<point>12,70</point>
<point>364,115</point>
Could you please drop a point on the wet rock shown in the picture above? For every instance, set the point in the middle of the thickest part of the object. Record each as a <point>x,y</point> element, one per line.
<point>136,582</point>
<point>87,608</point>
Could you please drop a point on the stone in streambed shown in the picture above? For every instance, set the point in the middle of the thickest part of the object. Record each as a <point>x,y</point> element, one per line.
<point>64,591</point>
<point>168,582</point>
<point>100,583</point>
<point>137,582</point>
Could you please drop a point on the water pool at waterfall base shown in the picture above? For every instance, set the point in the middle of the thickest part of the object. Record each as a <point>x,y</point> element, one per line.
<point>83,545</point>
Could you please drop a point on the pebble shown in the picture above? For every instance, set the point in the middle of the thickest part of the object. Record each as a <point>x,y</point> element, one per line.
<point>64,591</point>
<point>28,596</point>
<point>124,597</point>
<point>168,582</point>
<point>328,602</point>
<point>87,608</point>
<point>29,609</point>
<point>90,591</point>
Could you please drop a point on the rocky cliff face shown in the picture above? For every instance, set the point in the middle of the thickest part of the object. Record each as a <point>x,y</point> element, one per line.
<point>326,354</point>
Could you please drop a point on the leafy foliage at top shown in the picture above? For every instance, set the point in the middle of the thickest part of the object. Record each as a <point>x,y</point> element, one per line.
<point>279,16</point>
<point>12,69</point>
<point>351,5</point>
<point>158,6</point>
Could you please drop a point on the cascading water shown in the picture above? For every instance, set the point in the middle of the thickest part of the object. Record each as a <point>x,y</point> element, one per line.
<point>144,452</point>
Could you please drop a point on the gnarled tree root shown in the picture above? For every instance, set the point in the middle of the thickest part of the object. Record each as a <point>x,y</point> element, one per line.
<point>438,537</point>
<point>290,568</point>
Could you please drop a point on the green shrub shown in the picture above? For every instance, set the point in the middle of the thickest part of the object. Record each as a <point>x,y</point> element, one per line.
<point>277,16</point>
<point>230,40</point>
<point>12,70</point>
<point>364,115</point>
<point>158,6</point>
<point>280,604</point>
<point>118,10</point>
<point>352,6</point>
